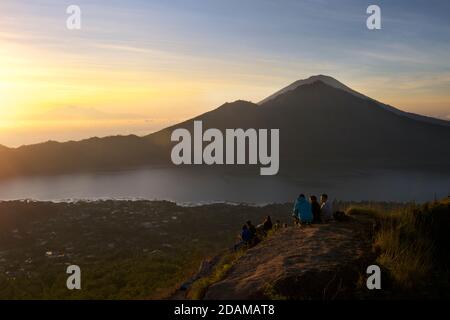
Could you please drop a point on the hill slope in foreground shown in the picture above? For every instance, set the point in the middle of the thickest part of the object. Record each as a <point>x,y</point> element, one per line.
<point>329,261</point>
<point>303,263</point>
<point>314,262</point>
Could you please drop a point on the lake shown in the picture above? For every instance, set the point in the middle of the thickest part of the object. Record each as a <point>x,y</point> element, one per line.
<point>194,186</point>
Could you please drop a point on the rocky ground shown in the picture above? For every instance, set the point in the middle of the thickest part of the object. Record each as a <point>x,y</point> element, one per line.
<point>313,262</point>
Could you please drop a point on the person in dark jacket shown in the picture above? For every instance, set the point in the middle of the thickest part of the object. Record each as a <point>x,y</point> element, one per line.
<point>315,208</point>
<point>253,233</point>
<point>245,238</point>
<point>267,224</point>
<point>251,228</point>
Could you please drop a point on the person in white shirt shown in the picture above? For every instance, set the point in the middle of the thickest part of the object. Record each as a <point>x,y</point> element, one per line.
<point>326,208</point>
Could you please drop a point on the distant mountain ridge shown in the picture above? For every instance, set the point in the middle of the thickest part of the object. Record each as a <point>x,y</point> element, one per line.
<point>83,113</point>
<point>323,125</point>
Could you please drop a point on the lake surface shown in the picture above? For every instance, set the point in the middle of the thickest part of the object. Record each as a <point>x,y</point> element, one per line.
<point>196,186</point>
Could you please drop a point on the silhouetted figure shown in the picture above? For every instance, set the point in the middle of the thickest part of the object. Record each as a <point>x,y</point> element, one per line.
<point>245,238</point>
<point>267,224</point>
<point>326,208</point>
<point>251,228</point>
<point>302,208</point>
<point>315,208</point>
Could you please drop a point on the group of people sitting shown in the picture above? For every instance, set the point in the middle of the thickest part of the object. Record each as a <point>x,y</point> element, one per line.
<point>305,213</point>
<point>308,212</point>
<point>251,235</point>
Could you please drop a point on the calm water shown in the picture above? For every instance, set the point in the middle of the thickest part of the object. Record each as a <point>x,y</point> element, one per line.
<point>195,186</point>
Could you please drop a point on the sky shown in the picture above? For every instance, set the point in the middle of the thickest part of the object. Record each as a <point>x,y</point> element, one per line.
<point>137,66</point>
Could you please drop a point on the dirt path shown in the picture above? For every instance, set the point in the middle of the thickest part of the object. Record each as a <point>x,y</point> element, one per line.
<point>316,262</point>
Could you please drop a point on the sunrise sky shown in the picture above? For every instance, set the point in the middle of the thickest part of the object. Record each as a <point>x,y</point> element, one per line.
<point>138,66</point>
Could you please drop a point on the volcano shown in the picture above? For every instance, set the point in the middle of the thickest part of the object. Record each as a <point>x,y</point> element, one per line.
<point>324,125</point>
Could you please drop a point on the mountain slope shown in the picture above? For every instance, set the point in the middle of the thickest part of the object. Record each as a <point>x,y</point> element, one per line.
<point>94,154</point>
<point>339,85</point>
<point>322,78</point>
<point>330,126</point>
<point>322,127</point>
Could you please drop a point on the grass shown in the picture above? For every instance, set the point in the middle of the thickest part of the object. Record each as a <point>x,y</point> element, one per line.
<point>199,287</point>
<point>412,244</point>
<point>272,294</point>
<point>220,271</point>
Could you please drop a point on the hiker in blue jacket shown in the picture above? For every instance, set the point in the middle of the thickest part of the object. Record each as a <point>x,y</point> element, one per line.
<point>302,209</point>
<point>245,237</point>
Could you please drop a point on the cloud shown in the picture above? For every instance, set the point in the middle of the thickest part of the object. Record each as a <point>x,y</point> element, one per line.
<point>123,48</point>
<point>75,113</point>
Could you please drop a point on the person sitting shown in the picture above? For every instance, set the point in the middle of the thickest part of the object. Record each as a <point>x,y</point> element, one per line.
<point>267,224</point>
<point>253,233</point>
<point>326,208</point>
<point>245,238</point>
<point>315,208</point>
<point>251,228</point>
<point>303,209</point>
